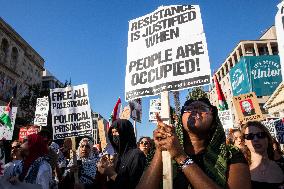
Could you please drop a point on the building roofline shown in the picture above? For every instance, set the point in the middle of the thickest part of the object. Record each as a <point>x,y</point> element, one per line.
<point>22,42</point>
<point>273,96</point>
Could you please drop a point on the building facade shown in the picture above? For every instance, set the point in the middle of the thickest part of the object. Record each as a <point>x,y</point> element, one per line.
<point>49,81</point>
<point>20,65</point>
<point>266,45</point>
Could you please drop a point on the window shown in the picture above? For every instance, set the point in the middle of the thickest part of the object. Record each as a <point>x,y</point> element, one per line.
<point>14,57</point>
<point>4,47</point>
<point>263,50</point>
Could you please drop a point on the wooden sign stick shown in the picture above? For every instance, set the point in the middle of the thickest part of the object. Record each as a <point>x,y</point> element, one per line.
<point>167,162</point>
<point>74,157</point>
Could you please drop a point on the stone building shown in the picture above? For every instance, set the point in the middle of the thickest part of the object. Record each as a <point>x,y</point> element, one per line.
<point>49,81</point>
<point>265,45</point>
<point>275,103</point>
<point>20,65</point>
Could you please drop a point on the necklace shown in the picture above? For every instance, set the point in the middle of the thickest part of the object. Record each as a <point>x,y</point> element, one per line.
<point>263,168</point>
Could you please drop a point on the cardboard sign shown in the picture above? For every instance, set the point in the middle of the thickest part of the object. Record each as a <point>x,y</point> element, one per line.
<point>125,114</point>
<point>226,119</point>
<point>103,134</point>
<point>279,126</point>
<point>6,132</point>
<point>71,112</point>
<point>155,107</point>
<point>247,108</point>
<point>166,51</point>
<point>136,109</point>
<point>41,113</point>
<point>279,24</point>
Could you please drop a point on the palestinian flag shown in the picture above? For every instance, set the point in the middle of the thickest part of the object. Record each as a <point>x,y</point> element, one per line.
<point>5,118</point>
<point>115,113</point>
<point>221,98</point>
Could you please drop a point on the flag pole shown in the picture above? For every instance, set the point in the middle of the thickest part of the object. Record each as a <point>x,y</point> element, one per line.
<point>166,158</point>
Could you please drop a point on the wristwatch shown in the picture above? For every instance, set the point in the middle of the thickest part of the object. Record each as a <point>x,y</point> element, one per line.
<point>188,161</point>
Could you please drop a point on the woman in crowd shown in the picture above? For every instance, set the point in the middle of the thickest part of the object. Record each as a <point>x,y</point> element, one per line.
<point>86,166</point>
<point>265,173</point>
<point>34,168</point>
<point>16,158</point>
<point>278,154</point>
<point>146,145</point>
<point>130,162</point>
<point>205,160</point>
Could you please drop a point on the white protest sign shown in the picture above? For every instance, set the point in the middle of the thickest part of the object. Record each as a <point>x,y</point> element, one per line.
<point>279,24</point>
<point>6,132</point>
<point>166,51</point>
<point>226,119</point>
<point>155,107</point>
<point>71,112</point>
<point>41,113</point>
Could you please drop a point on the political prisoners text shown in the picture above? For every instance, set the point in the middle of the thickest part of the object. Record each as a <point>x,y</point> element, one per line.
<point>162,25</point>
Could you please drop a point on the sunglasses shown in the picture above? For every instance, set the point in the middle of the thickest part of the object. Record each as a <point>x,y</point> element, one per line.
<point>86,146</point>
<point>146,142</point>
<point>200,109</point>
<point>259,135</point>
<point>14,147</point>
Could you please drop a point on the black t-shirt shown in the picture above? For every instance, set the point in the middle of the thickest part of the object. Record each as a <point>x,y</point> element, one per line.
<point>264,185</point>
<point>280,163</point>
<point>181,182</point>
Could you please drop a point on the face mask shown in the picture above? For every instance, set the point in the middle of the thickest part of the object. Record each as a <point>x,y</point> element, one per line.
<point>115,139</point>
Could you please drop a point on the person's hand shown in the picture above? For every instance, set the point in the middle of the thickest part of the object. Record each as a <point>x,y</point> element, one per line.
<point>106,168</point>
<point>168,140</point>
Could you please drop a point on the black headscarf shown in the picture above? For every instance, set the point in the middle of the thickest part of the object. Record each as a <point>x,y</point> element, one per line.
<point>126,135</point>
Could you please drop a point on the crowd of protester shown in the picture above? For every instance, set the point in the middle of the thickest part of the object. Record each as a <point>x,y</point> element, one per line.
<point>247,158</point>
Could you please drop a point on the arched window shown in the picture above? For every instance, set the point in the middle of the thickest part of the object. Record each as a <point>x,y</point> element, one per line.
<point>14,57</point>
<point>4,47</point>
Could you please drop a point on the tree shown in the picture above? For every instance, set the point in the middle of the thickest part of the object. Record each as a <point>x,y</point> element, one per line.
<point>196,93</point>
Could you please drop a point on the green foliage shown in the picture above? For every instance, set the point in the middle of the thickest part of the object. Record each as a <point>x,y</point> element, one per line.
<point>196,93</point>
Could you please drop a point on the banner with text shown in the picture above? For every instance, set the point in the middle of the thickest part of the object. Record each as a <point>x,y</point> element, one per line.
<point>71,112</point>
<point>41,113</point>
<point>247,108</point>
<point>155,107</point>
<point>166,51</point>
<point>5,132</point>
<point>25,131</point>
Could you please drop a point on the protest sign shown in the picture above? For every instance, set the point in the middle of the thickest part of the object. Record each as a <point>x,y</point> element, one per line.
<point>226,119</point>
<point>71,112</point>
<point>247,108</point>
<point>5,132</point>
<point>125,114</point>
<point>166,51</point>
<point>270,125</point>
<point>279,25</point>
<point>25,131</point>
<point>136,109</point>
<point>155,107</point>
<point>279,126</point>
<point>103,134</point>
<point>41,113</point>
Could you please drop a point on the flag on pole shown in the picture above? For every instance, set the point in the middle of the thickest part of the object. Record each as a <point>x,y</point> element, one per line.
<point>5,118</point>
<point>115,113</point>
<point>221,98</point>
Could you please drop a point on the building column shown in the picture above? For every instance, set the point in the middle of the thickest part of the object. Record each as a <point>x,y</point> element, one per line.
<point>255,49</point>
<point>238,55</point>
<point>233,60</point>
<point>269,48</point>
<point>243,49</point>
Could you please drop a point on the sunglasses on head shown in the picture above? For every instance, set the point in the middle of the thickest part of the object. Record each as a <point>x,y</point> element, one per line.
<point>144,142</point>
<point>259,135</point>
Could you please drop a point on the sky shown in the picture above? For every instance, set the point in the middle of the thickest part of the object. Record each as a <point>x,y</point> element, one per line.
<point>86,40</point>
